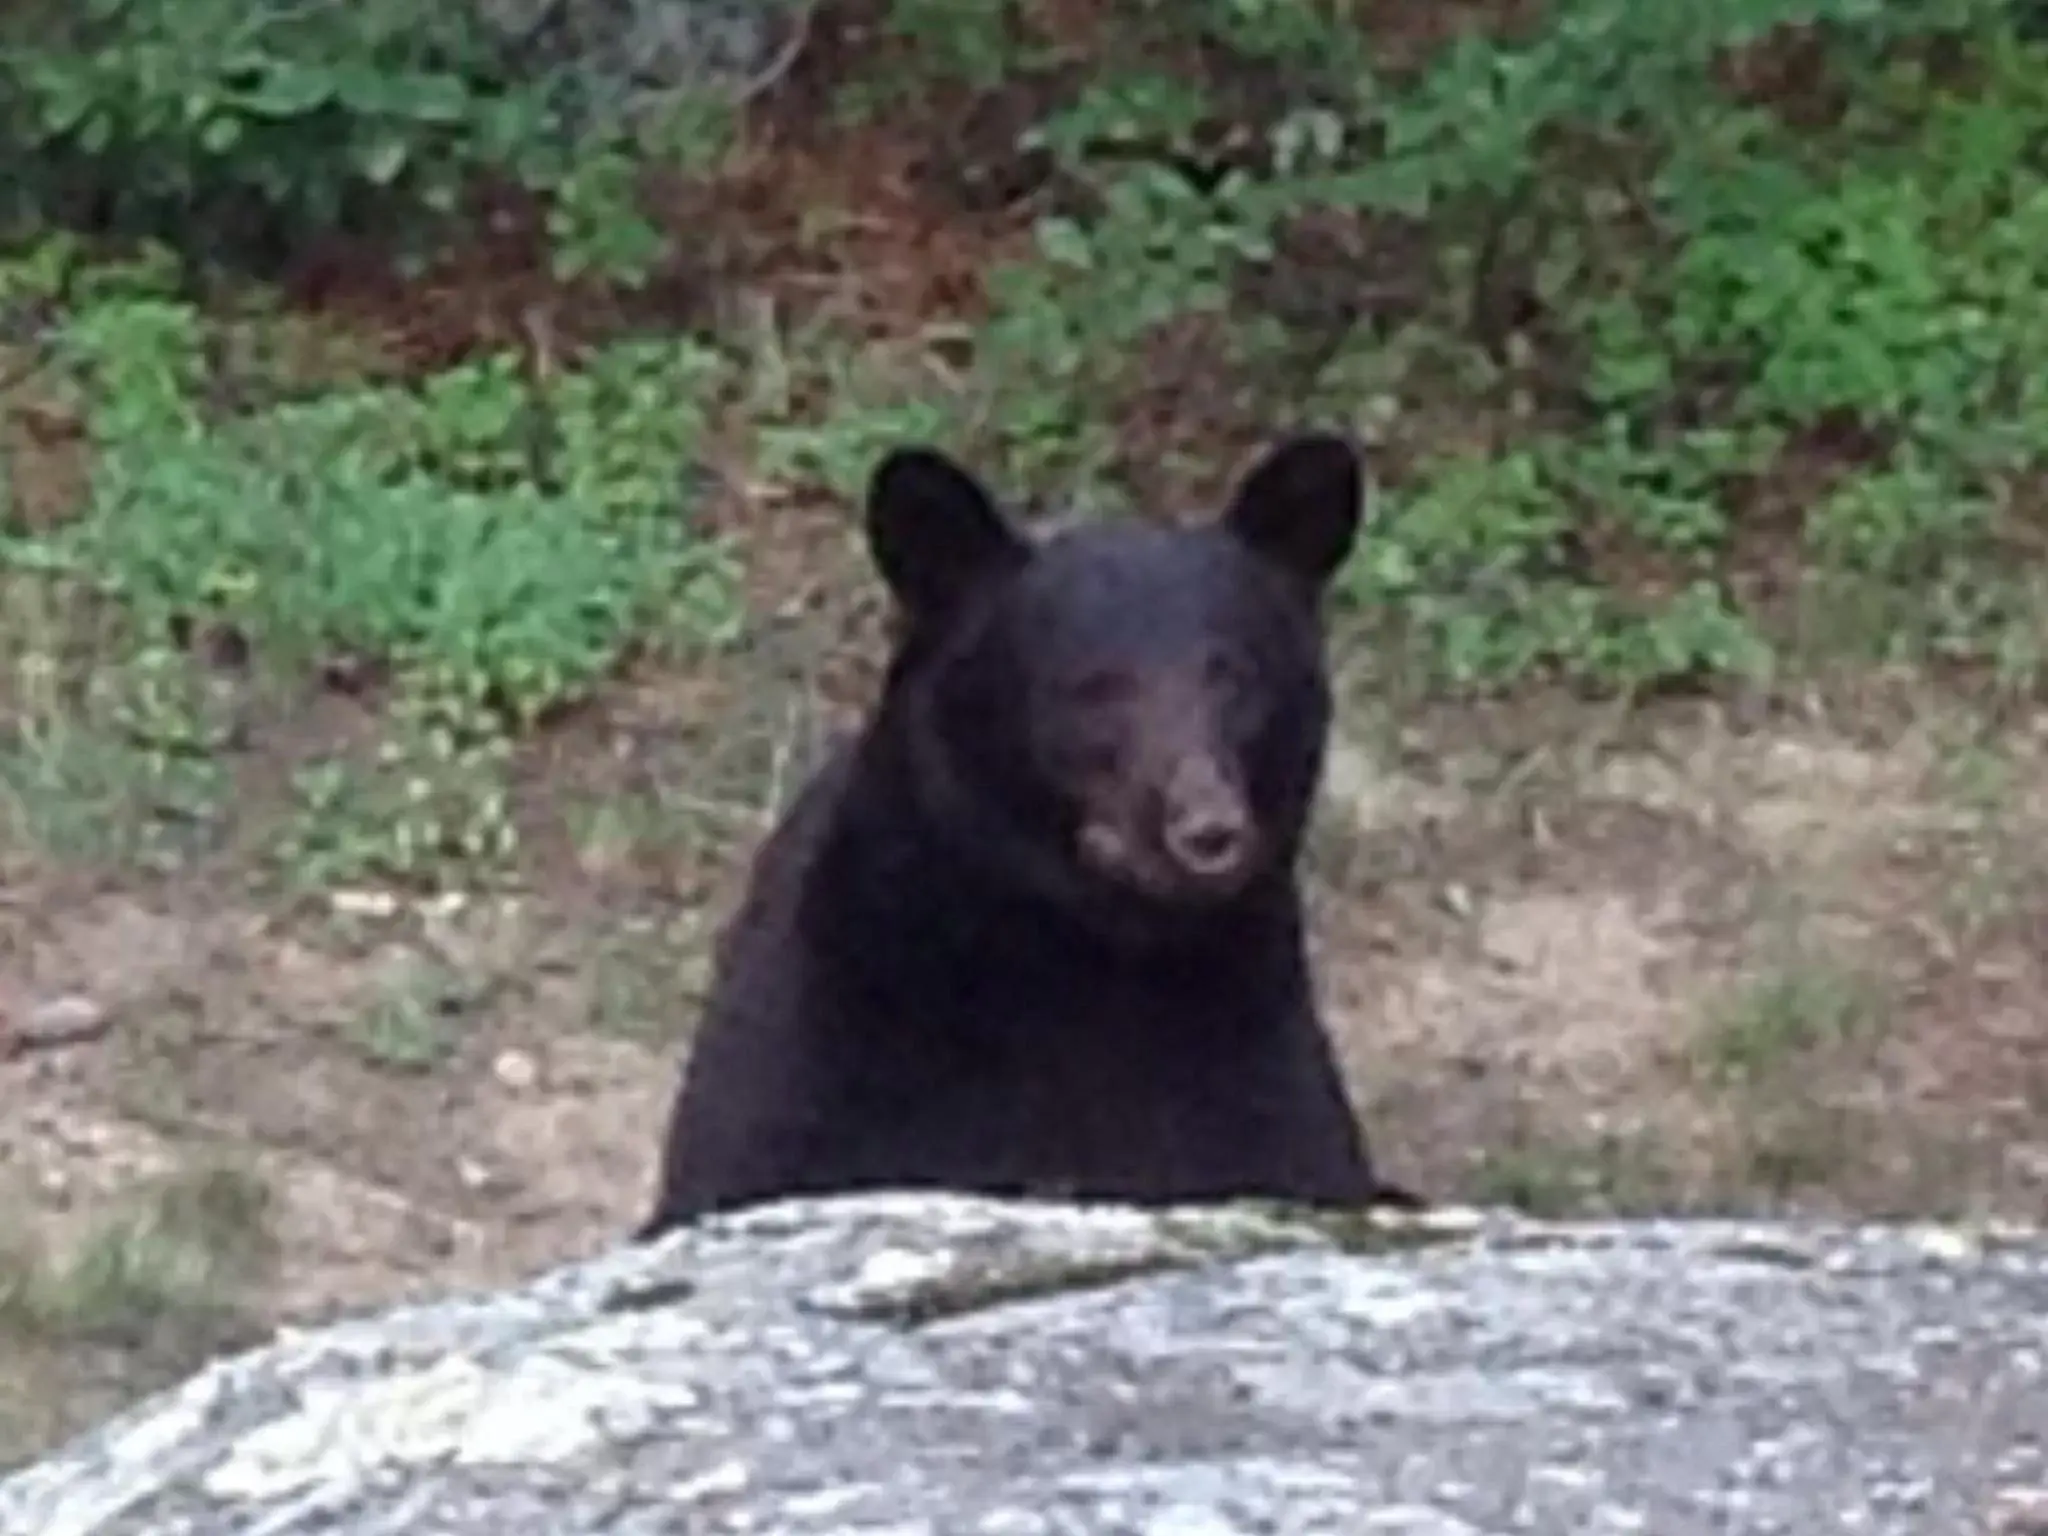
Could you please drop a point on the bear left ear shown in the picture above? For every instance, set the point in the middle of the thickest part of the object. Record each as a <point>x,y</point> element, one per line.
<point>1300,504</point>
<point>935,533</point>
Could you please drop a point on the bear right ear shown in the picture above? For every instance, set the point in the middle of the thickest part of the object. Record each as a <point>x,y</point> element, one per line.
<point>1300,504</point>
<point>934,531</point>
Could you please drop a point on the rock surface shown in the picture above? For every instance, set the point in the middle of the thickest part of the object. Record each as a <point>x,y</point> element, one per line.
<point>909,1364</point>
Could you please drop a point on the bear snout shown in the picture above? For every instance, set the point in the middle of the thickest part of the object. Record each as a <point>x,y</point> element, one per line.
<point>1206,832</point>
<point>1191,836</point>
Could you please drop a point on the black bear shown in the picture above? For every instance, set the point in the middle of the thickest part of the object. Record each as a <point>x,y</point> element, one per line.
<point>1036,929</point>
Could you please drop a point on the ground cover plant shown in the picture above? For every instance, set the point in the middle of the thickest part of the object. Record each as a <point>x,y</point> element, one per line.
<point>427,561</point>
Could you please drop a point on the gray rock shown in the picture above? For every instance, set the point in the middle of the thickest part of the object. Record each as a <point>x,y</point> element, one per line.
<point>916,1364</point>
<point>622,54</point>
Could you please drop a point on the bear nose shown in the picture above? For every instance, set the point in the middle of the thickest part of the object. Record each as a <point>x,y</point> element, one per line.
<point>1209,839</point>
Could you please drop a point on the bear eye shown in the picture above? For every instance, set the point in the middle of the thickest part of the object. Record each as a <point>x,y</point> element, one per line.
<point>1100,689</point>
<point>1226,673</point>
<point>1099,761</point>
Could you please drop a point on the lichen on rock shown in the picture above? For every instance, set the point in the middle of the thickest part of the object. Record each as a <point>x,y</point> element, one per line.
<point>940,1363</point>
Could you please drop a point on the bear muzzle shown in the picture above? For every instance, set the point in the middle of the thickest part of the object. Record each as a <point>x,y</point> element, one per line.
<point>1196,839</point>
<point>1208,838</point>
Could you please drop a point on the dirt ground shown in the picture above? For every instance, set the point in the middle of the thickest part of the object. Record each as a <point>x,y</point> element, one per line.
<point>1695,966</point>
<point>1598,962</point>
<point>1685,956</point>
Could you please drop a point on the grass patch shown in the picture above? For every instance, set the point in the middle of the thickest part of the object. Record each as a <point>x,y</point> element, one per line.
<point>177,1261</point>
<point>1784,1053</point>
<point>166,1279</point>
<point>1799,1007</point>
<point>648,978</point>
<point>1611,1173</point>
<point>412,1023</point>
<point>115,765</point>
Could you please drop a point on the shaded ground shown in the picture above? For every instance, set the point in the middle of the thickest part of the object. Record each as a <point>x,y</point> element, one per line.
<point>1681,955</point>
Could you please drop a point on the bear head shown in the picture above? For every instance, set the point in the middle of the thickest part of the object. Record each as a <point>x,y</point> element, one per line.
<point>1132,713</point>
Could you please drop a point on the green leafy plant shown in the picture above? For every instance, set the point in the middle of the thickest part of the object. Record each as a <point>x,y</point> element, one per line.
<point>493,547</point>
<point>1717,288</point>
<point>243,129</point>
<point>432,529</point>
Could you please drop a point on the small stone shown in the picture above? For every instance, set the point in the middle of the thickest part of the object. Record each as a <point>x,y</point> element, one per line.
<point>517,1070</point>
<point>2020,1512</point>
<point>1444,1220</point>
<point>1415,1520</point>
<point>474,1176</point>
<point>895,1269</point>
<point>1191,1520</point>
<point>364,903</point>
<point>1948,1245</point>
<point>71,1019</point>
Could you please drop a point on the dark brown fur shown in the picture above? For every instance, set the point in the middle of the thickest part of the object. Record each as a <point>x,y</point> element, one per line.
<point>1036,929</point>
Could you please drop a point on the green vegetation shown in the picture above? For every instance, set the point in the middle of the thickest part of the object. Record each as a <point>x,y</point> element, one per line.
<point>178,1257</point>
<point>1745,377</point>
<point>493,546</point>
<point>1798,1008</point>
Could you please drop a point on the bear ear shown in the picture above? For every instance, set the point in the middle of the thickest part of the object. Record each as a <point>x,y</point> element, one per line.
<point>1300,504</point>
<point>935,532</point>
